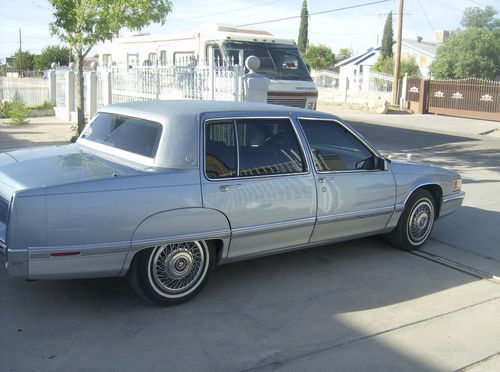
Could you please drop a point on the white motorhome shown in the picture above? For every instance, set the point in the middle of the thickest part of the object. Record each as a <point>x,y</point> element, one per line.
<point>290,85</point>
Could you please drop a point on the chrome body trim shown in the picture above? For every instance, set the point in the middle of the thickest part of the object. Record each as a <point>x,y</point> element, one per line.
<point>451,203</point>
<point>453,197</point>
<point>272,227</point>
<point>347,216</point>
<point>147,243</point>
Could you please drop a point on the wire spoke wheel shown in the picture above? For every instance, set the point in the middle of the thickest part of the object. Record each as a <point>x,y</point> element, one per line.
<point>420,221</point>
<point>177,268</point>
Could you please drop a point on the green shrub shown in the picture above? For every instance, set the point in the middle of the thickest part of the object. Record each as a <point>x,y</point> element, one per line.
<point>15,110</point>
<point>46,105</point>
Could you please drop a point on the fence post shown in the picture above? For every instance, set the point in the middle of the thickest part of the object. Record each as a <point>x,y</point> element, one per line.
<point>69,104</point>
<point>422,99</point>
<point>91,92</point>
<point>107,88</point>
<point>256,85</point>
<point>211,74</point>
<point>404,92</point>
<point>366,82</point>
<point>344,87</point>
<point>52,84</point>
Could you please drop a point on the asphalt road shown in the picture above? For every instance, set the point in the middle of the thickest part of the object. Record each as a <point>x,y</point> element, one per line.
<point>359,305</point>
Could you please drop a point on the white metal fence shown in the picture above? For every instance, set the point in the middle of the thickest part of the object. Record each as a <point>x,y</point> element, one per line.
<point>361,89</point>
<point>220,80</point>
<point>31,91</point>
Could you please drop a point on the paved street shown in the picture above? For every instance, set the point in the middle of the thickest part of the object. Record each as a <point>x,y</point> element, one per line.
<point>359,305</point>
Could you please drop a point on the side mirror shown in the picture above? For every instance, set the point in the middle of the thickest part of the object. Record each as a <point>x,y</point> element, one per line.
<point>383,164</point>
<point>308,67</point>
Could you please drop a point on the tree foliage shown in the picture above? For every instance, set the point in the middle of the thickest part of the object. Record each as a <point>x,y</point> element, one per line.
<point>345,52</point>
<point>303,31</point>
<point>83,23</point>
<point>473,52</point>
<point>52,53</point>
<point>388,37</point>
<point>480,18</point>
<point>319,57</point>
<point>408,66</point>
<point>26,62</point>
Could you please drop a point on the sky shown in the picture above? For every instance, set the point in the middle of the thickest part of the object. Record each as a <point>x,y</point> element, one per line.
<point>357,29</point>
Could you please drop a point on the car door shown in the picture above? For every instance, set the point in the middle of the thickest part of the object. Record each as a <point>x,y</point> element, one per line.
<point>356,192</point>
<point>255,172</point>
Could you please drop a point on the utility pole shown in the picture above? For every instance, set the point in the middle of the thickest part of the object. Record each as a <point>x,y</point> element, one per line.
<point>397,57</point>
<point>20,56</point>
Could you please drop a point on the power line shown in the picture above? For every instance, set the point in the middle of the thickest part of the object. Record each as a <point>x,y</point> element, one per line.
<point>316,13</point>
<point>426,16</point>
<point>226,12</point>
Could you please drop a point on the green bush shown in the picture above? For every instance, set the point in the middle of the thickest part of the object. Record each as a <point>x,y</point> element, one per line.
<point>15,110</point>
<point>46,105</point>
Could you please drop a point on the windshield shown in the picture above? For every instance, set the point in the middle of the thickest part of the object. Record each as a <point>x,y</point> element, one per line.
<point>281,62</point>
<point>127,133</point>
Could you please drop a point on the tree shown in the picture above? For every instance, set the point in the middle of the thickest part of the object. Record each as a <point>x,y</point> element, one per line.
<point>52,53</point>
<point>388,37</point>
<point>303,31</point>
<point>26,62</point>
<point>408,66</point>
<point>345,52</point>
<point>319,56</point>
<point>468,53</point>
<point>82,24</point>
<point>480,18</point>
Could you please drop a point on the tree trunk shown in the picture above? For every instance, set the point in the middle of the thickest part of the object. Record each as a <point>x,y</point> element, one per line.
<point>80,104</point>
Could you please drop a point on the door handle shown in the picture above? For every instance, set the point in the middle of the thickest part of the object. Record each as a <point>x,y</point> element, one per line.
<point>225,188</point>
<point>321,180</point>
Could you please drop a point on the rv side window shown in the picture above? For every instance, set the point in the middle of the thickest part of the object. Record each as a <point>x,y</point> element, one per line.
<point>163,57</point>
<point>184,58</point>
<point>153,58</point>
<point>217,52</point>
<point>132,60</point>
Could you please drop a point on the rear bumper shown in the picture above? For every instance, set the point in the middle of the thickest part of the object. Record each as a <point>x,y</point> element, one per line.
<point>451,203</point>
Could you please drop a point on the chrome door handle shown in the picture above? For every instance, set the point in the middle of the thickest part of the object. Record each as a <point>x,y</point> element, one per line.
<point>321,180</point>
<point>224,188</point>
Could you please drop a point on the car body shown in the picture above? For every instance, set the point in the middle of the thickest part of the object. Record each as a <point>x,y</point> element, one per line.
<point>166,187</point>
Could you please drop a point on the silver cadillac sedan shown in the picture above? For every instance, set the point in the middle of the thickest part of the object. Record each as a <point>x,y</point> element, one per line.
<point>163,191</point>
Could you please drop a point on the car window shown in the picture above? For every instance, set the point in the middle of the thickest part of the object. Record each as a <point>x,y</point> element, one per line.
<point>125,133</point>
<point>334,148</point>
<point>220,148</point>
<point>268,146</point>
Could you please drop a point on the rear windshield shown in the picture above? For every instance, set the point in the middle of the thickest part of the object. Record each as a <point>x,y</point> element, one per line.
<point>127,133</point>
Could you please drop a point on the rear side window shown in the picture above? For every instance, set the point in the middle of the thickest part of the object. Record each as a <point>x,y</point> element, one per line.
<point>268,146</point>
<point>127,133</point>
<point>220,148</point>
<point>252,147</point>
<point>334,148</point>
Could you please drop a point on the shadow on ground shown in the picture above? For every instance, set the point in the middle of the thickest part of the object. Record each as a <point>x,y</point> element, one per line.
<point>253,314</point>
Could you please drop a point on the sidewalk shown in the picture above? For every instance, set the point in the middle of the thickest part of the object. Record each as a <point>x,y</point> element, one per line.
<point>42,131</point>
<point>429,123</point>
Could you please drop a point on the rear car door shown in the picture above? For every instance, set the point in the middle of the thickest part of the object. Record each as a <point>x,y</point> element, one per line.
<point>255,172</point>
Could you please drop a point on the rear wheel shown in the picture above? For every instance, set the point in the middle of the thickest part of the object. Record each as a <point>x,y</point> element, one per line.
<point>172,273</point>
<point>416,222</point>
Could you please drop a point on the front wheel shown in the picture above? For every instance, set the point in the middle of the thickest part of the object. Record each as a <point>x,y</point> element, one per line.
<point>172,273</point>
<point>416,222</point>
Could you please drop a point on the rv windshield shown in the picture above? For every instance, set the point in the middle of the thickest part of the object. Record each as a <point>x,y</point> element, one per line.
<point>282,62</point>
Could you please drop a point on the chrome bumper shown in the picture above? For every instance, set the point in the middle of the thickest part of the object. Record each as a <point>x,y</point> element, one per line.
<point>451,203</point>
